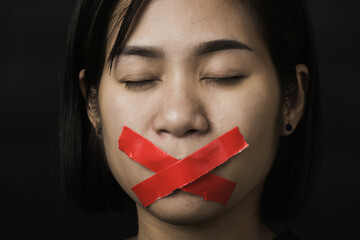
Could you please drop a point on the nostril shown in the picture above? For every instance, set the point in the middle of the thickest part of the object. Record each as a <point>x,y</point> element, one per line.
<point>191,131</point>
<point>162,131</point>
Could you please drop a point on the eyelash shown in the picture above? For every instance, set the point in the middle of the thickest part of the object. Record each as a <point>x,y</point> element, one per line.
<point>138,85</point>
<point>226,82</point>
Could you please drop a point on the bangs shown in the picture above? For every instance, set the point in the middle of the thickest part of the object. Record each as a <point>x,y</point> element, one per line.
<point>130,13</point>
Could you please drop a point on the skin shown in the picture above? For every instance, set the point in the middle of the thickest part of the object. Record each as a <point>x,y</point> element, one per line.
<point>182,110</point>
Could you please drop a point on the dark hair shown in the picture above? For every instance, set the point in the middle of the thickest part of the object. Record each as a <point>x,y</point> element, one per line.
<point>286,29</point>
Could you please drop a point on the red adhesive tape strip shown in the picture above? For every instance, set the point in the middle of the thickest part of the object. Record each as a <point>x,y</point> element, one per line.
<point>211,187</point>
<point>190,174</point>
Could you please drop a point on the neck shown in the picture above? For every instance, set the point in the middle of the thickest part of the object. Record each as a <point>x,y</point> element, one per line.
<point>240,222</point>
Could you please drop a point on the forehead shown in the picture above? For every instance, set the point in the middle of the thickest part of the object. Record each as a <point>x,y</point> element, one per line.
<point>179,24</point>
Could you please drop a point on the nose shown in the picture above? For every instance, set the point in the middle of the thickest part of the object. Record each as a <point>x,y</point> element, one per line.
<point>181,112</point>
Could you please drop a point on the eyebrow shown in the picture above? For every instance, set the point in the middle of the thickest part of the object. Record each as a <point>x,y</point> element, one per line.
<point>220,45</point>
<point>200,50</point>
<point>141,51</point>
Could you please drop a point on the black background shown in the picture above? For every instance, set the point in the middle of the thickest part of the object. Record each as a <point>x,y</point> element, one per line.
<point>33,35</point>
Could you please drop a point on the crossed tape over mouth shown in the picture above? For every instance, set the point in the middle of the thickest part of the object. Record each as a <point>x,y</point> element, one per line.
<point>191,174</point>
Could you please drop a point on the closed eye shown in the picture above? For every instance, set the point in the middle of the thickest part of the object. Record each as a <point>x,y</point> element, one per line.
<point>227,81</point>
<point>139,85</point>
<point>148,83</point>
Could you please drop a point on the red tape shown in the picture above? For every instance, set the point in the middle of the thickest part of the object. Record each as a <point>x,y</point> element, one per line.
<point>190,174</point>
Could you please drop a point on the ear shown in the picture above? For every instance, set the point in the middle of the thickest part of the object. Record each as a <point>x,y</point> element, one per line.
<point>91,103</point>
<point>295,109</point>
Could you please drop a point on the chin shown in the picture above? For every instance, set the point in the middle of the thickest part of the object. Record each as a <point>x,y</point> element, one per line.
<point>182,208</point>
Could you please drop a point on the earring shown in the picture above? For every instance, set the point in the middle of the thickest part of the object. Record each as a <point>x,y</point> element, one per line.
<point>288,127</point>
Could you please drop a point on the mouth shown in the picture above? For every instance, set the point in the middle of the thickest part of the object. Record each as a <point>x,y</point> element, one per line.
<point>182,174</point>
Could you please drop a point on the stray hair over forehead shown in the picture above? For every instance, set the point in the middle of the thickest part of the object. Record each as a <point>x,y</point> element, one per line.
<point>124,17</point>
<point>131,11</point>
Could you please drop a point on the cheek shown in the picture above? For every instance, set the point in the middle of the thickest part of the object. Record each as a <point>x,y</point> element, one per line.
<point>118,110</point>
<point>256,113</point>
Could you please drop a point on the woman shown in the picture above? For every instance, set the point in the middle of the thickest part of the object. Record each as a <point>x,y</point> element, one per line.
<point>179,75</point>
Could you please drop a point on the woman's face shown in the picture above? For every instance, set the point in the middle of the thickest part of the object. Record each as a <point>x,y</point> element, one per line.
<point>193,93</point>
